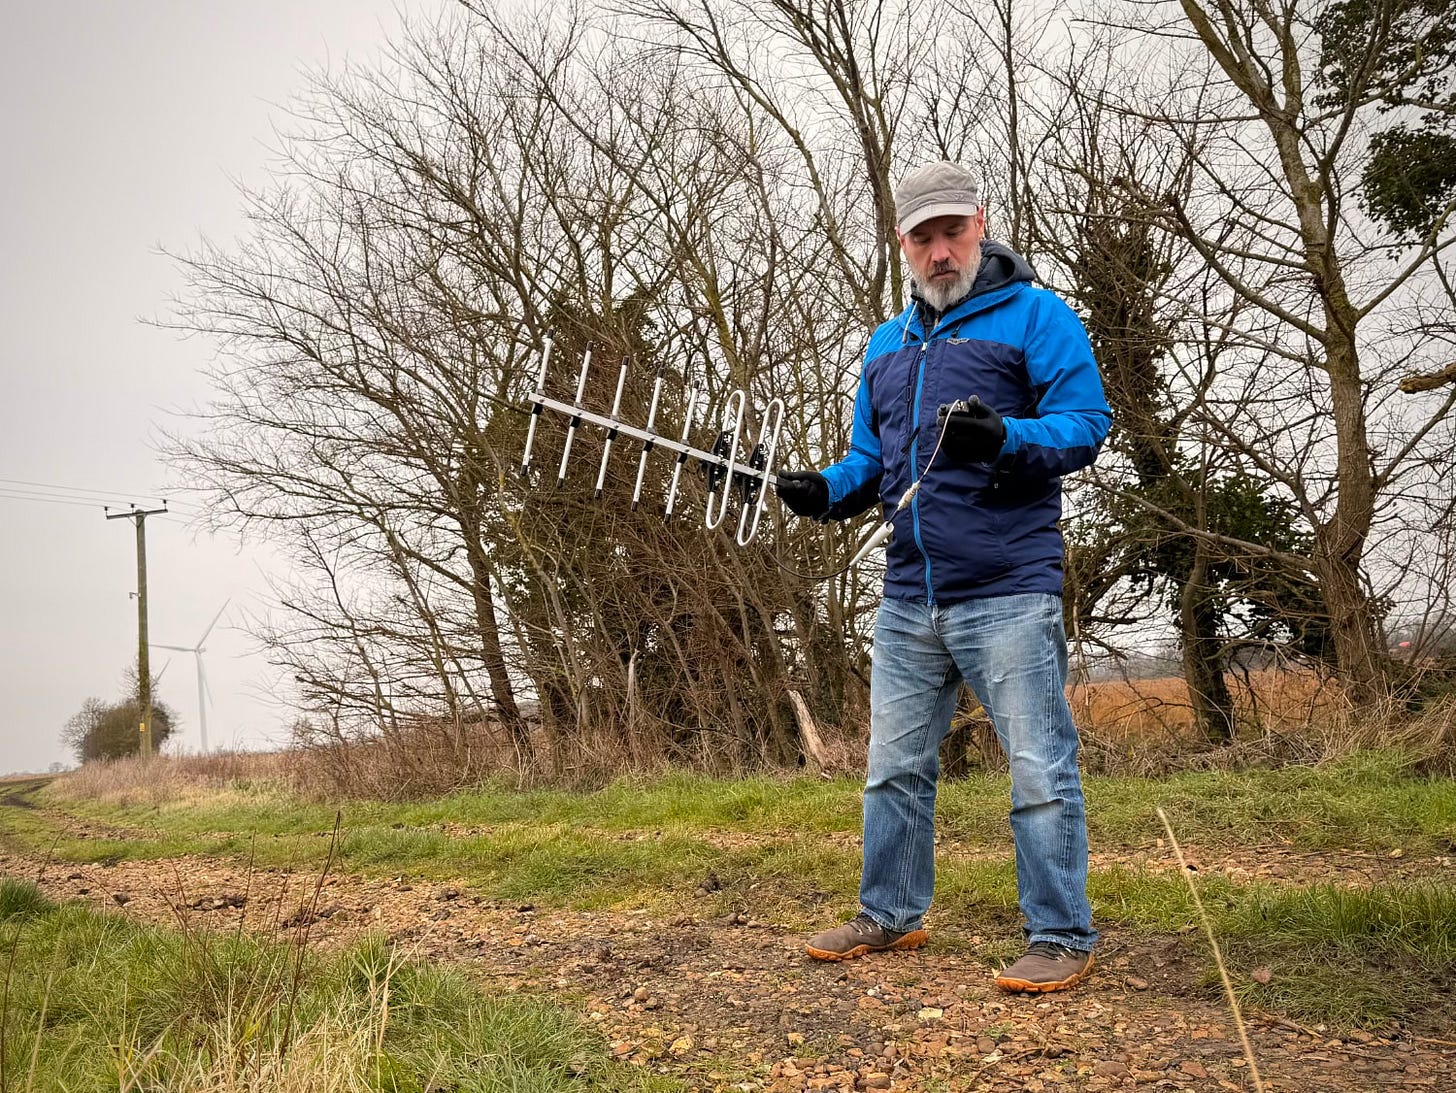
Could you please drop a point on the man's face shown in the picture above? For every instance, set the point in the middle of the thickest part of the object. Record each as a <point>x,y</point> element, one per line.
<point>943,254</point>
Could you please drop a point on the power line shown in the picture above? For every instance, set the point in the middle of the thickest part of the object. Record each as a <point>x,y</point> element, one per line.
<point>49,500</point>
<point>18,486</point>
<point>74,498</point>
<point>88,499</point>
<point>53,487</point>
<point>80,502</point>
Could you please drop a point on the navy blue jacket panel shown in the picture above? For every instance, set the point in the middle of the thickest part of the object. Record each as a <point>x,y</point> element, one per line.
<point>976,529</point>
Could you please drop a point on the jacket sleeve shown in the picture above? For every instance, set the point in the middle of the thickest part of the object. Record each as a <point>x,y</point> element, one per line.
<point>854,482</point>
<point>1071,416</point>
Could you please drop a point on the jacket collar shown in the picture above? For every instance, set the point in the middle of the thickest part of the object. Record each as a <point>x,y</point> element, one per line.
<point>912,319</point>
<point>1002,274</point>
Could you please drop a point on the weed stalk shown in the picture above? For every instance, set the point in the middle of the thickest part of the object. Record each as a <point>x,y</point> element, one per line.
<point>1228,986</point>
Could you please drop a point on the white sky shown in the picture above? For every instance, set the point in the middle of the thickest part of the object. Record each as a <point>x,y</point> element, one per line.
<point>125,124</point>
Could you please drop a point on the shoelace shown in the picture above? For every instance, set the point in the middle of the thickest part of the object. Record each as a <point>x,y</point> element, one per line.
<point>1049,949</point>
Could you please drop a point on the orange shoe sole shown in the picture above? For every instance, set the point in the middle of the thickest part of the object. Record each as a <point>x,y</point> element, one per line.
<point>913,940</point>
<point>1043,988</point>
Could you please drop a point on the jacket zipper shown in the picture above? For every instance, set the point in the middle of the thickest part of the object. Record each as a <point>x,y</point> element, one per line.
<point>915,467</point>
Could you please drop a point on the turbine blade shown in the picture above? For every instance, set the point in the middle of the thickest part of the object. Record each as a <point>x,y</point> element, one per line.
<point>213,623</point>
<point>176,648</point>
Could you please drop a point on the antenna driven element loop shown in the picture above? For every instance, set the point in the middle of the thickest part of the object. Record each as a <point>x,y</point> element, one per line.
<point>753,487</point>
<point>733,413</point>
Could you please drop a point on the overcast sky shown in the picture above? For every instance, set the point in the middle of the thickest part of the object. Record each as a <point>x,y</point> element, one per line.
<point>125,127</point>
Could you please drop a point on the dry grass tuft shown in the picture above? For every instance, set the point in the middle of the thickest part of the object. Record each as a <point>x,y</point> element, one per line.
<point>1427,738</point>
<point>1132,727</point>
<point>176,779</point>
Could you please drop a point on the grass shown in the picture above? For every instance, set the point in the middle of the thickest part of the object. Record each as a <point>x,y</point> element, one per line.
<point>1346,957</point>
<point>783,849</point>
<point>98,1002</point>
<point>595,849</point>
<point>1368,802</point>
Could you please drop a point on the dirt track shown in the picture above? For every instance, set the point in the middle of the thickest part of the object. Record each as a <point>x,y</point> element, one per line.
<point>731,1003</point>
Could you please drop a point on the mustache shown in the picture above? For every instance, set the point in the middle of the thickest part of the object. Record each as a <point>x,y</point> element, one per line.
<point>945,265</point>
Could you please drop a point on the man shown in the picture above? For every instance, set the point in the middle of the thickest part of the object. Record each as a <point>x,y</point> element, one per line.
<point>973,582</point>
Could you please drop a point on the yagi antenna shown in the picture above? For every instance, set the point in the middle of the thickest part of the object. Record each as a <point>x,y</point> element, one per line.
<point>730,467</point>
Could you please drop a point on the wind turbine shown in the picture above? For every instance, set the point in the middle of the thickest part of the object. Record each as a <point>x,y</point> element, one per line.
<point>204,692</point>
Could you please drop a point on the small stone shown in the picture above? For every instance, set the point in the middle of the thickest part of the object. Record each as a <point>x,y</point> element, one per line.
<point>680,1047</point>
<point>985,1045</point>
<point>1193,1069</point>
<point>931,1013</point>
<point>1135,983</point>
<point>642,994</point>
<point>1110,1068</point>
<point>874,1081</point>
<point>121,898</point>
<point>795,1039</point>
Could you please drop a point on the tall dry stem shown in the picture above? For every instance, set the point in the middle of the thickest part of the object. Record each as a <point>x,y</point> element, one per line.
<point>1228,987</point>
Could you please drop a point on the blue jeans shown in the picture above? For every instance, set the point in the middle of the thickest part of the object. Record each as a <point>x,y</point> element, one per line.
<point>1012,650</point>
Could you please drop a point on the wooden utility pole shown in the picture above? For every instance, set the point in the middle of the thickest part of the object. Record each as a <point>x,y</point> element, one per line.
<point>144,668</point>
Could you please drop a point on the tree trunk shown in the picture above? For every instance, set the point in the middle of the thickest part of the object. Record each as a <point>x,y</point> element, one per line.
<point>502,692</point>
<point>1359,657</point>
<point>1339,542</point>
<point>1213,705</point>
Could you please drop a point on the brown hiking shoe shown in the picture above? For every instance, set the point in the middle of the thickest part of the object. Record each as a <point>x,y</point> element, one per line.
<point>1046,966</point>
<point>861,935</point>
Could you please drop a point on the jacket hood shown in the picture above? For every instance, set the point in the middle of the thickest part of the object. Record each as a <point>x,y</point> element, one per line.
<point>1000,266</point>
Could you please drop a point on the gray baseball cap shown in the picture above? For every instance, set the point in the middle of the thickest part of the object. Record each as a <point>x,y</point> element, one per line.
<point>936,189</point>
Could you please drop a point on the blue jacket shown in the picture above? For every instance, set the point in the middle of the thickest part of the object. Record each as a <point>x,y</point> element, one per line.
<point>975,529</point>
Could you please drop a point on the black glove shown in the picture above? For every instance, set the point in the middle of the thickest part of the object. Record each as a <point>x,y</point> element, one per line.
<point>805,492</point>
<point>974,432</point>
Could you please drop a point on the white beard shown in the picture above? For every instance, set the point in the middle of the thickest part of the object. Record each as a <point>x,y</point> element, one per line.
<point>942,294</point>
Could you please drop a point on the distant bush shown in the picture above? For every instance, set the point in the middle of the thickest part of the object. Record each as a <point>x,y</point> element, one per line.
<point>102,731</point>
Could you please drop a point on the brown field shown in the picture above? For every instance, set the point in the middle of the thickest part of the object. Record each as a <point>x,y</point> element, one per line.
<point>1127,726</point>
<point>1158,710</point>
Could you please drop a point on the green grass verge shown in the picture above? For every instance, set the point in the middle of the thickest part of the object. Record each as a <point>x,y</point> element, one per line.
<point>98,1002</point>
<point>1369,802</point>
<point>1344,956</point>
